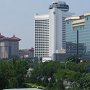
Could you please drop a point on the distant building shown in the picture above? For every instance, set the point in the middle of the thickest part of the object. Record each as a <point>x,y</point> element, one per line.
<point>50,30</point>
<point>46,59</point>
<point>9,46</point>
<point>61,56</point>
<point>82,25</point>
<point>26,53</point>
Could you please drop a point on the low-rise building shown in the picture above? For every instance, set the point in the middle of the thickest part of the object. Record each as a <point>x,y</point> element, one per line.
<point>9,46</point>
<point>26,53</point>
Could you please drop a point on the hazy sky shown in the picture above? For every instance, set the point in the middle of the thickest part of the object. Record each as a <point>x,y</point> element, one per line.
<point>17,16</point>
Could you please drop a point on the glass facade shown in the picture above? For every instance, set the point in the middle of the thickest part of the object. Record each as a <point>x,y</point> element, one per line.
<point>83,26</point>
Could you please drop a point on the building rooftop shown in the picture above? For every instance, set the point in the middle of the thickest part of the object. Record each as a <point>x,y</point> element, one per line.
<point>77,17</point>
<point>72,18</point>
<point>1,36</point>
<point>45,16</point>
<point>87,14</point>
<point>14,38</point>
<point>60,5</point>
<point>78,21</point>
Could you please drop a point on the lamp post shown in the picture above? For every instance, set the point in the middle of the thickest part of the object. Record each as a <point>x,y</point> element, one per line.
<point>77,44</point>
<point>77,41</point>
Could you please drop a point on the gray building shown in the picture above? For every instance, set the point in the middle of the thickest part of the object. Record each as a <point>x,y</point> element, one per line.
<point>9,46</point>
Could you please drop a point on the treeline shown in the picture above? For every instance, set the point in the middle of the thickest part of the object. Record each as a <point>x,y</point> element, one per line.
<point>12,73</point>
<point>62,76</point>
<point>53,75</point>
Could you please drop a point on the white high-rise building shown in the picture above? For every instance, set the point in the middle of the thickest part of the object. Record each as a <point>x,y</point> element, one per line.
<point>42,36</point>
<point>50,30</point>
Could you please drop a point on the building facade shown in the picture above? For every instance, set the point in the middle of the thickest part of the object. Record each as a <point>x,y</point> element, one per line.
<point>26,53</point>
<point>42,36</point>
<point>58,11</point>
<point>82,25</point>
<point>9,46</point>
<point>50,30</point>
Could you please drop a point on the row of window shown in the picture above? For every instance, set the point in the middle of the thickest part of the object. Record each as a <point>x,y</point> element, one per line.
<point>45,44</point>
<point>41,46</point>
<point>41,42</point>
<point>41,55</point>
<point>39,35</point>
<point>42,33</point>
<point>43,37</point>
<point>46,47</point>
<point>39,27</point>
<point>38,21</point>
<point>43,23</point>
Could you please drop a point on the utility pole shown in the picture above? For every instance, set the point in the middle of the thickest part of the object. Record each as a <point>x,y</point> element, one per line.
<point>77,44</point>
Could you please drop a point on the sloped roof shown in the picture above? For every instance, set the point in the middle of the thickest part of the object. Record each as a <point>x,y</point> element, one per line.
<point>14,38</point>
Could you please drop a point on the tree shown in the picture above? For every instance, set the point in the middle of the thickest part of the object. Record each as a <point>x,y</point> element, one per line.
<point>12,75</point>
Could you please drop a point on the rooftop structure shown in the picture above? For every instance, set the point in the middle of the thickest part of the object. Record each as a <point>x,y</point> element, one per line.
<point>13,38</point>
<point>60,5</point>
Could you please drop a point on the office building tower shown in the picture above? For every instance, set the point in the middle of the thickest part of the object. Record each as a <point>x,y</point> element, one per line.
<point>58,11</point>
<point>42,36</point>
<point>50,30</point>
<point>82,25</point>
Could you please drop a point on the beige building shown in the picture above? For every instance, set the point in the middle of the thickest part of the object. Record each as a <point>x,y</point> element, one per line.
<point>9,46</point>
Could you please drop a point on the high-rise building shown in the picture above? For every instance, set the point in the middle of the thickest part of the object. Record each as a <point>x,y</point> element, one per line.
<point>58,11</point>
<point>42,36</point>
<point>9,46</point>
<point>82,25</point>
<point>50,30</point>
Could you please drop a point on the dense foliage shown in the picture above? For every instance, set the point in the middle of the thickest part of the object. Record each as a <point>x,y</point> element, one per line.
<point>52,75</point>
<point>12,73</point>
<point>56,76</point>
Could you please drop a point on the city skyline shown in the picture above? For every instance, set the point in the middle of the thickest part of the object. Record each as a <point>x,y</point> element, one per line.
<point>17,17</point>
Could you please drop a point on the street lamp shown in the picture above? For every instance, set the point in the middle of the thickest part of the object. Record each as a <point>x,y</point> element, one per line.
<point>77,43</point>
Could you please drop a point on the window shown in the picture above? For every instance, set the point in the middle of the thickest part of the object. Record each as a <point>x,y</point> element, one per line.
<point>67,22</point>
<point>87,18</point>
